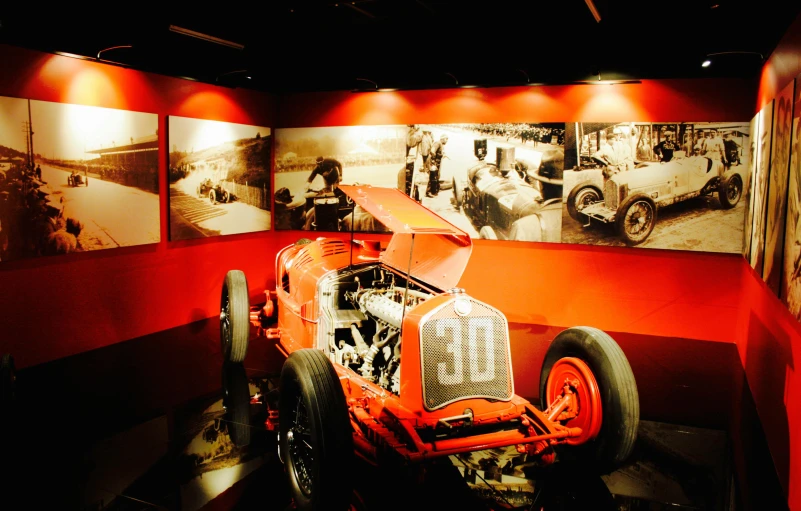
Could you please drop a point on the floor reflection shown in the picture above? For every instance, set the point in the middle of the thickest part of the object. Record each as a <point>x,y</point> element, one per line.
<point>161,423</point>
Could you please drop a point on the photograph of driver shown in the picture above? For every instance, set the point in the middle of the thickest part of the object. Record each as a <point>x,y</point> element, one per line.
<point>665,148</point>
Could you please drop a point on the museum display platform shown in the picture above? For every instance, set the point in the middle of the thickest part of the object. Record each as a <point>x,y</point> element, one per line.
<point>160,423</point>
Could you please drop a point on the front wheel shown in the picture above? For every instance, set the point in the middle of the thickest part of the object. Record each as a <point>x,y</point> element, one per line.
<point>635,219</point>
<point>730,190</point>
<point>234,317</point>
<point>213,197</point>
<point>589,365</point>
<point>316,439</point>
<point>226,197</point>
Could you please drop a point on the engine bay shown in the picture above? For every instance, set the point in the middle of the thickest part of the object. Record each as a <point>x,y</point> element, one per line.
<point>361,312</point>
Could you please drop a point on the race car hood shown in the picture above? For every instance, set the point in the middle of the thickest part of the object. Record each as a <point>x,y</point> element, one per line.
<point>650,174</point>
<point>423,244</point>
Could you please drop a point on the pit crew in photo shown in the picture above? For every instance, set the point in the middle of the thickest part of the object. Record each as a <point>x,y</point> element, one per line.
<point>665,148</point>
<point>613,155</point>
<point>437,154</point>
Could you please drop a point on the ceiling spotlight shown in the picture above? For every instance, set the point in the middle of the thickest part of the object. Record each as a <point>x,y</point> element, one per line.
<point>706,63</point>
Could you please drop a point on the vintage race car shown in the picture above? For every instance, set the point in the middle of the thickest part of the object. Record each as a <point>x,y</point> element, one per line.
<point>76,179</point>
<point>387,359</point>
<point>510,199</point>
<point>631,199</point>
<point>216,192</point>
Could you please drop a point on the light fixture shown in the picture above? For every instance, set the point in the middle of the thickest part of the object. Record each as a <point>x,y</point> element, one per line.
<point>206,37</point>
<point>706,63</point>
<point>374,87</point>
<point>228,73</point>
<point>454,77</point>
<point>593,10</point>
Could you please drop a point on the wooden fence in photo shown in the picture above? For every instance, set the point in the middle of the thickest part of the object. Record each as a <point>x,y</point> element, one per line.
<point>252,195</point>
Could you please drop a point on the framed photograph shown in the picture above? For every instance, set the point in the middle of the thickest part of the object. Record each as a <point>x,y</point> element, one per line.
<point>777,188</point>
<point>763,142</point>
<point>219,175</point>
<point>749,189</point>
<point>791,276</point>
<point>673,186</point>
<point>75,178</point>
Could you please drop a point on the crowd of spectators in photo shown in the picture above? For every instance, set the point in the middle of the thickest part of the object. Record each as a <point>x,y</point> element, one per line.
<point>140,175</point>
<point>525,132</point>
<point>308,163</point>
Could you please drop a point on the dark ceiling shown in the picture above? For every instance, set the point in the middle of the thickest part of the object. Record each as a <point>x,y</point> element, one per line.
<point>296,46</point>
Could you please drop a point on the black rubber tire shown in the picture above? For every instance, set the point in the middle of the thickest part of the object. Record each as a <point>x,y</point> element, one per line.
<point>212,196</point>
<point>234,317</point>
<point>730,190</point>
<point>487,233</point>
<point>226,197</point>
<point>236,400</point>
<point>458,194</point>
<point>621,222</point>
<point>581,194</point>
<point>309,383</point>
<point>8,378</point>
<point>620,399</point>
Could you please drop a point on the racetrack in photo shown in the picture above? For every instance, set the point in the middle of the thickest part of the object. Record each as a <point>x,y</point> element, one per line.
<point>219,175</point>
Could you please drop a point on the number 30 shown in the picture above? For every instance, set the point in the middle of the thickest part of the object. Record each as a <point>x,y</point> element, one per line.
<point>455,347</point>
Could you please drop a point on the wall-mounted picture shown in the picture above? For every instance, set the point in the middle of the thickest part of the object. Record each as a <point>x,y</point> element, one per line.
<point>75,178</point>
<point>777,188</point>
<point>791,276</point>
<point>219,174</point>
<point>673,186</point>
<point>311,163</point>
<point>749,190</point>
<point>761,171</point>
<point>494,181</point>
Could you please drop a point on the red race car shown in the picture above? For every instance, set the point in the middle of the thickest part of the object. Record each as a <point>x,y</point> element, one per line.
<point>387,359</point>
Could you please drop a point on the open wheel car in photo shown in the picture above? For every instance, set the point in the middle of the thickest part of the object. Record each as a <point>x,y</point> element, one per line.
<point>511,199</point>
<point>388,360</point>
<point>630,199</point>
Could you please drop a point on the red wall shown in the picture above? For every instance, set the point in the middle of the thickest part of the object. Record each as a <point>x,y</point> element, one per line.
<point>57,306</point>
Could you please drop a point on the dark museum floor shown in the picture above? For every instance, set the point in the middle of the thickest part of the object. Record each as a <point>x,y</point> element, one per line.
<point>155,423</point>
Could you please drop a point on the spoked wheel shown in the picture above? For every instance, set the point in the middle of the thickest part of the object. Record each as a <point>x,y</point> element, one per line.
<point>636,218</point>
<point>589,366</point>
<point>226,197</point>
<point>234,317</point>
<point>316,440</point>
<point>213,197</point>
<point>730,191</point>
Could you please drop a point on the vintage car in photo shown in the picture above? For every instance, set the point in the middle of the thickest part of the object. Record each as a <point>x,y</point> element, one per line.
<point>513,199</point>
<point>215,191</point>
<point>77,179</point>
<point>385,358</point>
<point>630,199</point>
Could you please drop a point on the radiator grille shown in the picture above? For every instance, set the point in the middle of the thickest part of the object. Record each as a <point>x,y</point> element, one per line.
<point>465,357</point>
<point>611,195</point>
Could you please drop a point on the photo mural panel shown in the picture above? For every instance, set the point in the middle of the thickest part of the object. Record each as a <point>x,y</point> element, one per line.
<point>656,185</point>
<point>495,181</point>
<point>791,276</point>
<point>777,188</point>
<point>749,188</point>
<point>75,178</point>
<point>219,175</point>
<point>761,170</point>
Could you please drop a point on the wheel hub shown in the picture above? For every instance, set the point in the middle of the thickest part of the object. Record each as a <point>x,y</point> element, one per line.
<point>571,378</point>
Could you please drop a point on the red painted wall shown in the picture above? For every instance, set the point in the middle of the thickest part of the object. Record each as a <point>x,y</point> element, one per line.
<point>57,306</point>
<point>769,341</point>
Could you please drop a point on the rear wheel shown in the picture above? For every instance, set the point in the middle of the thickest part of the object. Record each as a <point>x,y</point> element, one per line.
<point>226,197</point>
<point>589,364</point>
<point>212,196</point>
<point>316,439</point>
<point>234,317</point>
<point>730,190</point>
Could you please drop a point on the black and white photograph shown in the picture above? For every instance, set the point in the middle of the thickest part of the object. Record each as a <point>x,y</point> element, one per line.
<point>749,190</point>
<point>494,181</point>
<point>761,171</point>
<point>219,174</point>
<point>676,186</point>
<point>791,276</point>
<point>75,178</point>
<point>777,188</point>
<point>311,163</point>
